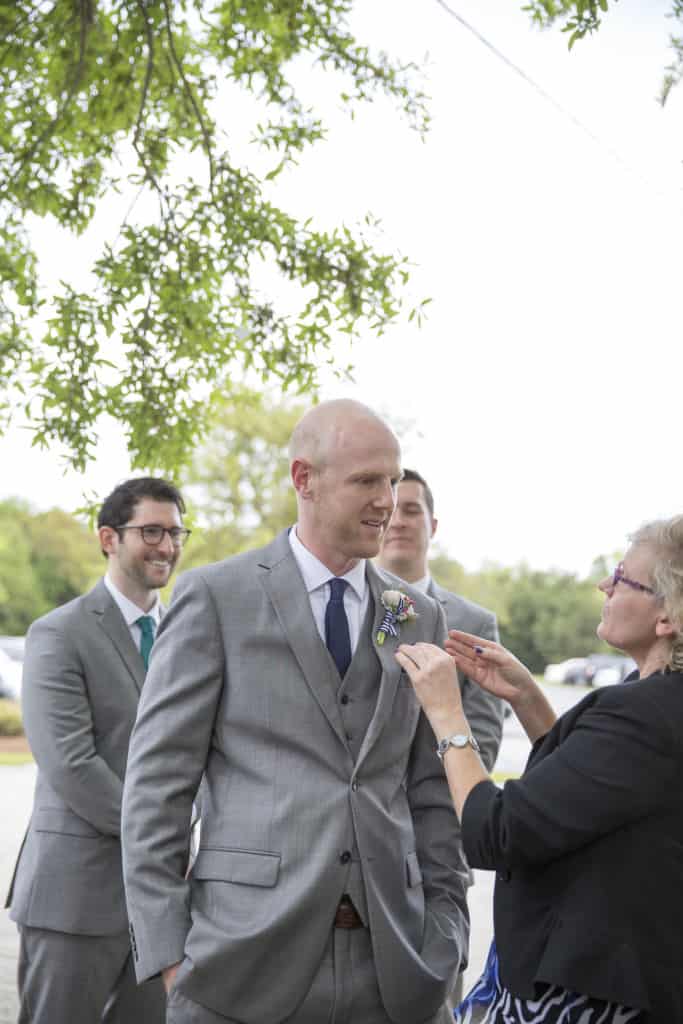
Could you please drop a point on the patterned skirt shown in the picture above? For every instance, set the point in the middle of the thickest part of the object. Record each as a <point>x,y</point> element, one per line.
<point>489,1002</point>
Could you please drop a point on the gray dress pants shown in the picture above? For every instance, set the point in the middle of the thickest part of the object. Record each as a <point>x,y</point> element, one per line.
<point>82,979</point>
<point>344,990</point>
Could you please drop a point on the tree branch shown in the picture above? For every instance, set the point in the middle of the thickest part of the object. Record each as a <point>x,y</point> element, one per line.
<point>190,95</point>
<point>148,72</point>
<point>149,174</point>
<point>86,16</point>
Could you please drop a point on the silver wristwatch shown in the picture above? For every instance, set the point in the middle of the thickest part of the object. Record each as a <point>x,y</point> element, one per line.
<point>459,740</point>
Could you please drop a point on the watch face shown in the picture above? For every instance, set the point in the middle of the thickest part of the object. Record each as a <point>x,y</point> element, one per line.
<point>459,740</point>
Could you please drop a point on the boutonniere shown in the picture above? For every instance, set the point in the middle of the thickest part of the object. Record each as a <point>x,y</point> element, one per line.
<point>399,608</point>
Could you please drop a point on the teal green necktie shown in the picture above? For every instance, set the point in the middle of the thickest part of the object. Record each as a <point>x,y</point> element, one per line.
<point>146,624</point>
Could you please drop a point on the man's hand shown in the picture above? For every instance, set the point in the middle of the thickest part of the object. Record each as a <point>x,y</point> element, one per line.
<point>168,976</point>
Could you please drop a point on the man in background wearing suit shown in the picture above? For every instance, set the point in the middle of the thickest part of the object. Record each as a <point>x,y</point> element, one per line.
<point>329,886</point>
<point>404,552</point>
<point>84,669</point>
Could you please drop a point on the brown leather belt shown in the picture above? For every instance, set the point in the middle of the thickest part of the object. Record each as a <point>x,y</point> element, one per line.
<point>347,916</point>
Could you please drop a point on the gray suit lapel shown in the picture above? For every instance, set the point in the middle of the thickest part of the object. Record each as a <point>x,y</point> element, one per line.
<point>110,620</point>
<point>435,591</point>
<point>441,595</point>
<point>285,588</point>
<point>391,670</point>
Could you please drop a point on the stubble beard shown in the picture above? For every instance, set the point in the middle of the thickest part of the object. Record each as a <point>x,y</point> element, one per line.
<point>148,576</point>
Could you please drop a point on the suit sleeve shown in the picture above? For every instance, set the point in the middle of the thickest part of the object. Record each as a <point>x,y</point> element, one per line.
<point>439,850</point>
<point>484,711</point>
<point>168,752</point>
<point>616,765</point>
<point>59,728</point>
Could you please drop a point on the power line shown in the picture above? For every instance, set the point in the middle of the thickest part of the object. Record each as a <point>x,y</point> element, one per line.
<point>549,98</point>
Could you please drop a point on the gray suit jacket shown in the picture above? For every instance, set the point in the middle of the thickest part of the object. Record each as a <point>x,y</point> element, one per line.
<point>242,690</point>
<point>484,711</point>
<point>82,680</point>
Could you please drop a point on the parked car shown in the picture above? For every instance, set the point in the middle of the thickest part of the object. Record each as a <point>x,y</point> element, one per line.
<point>603,669</point>
<point>14,646</point>
<point>569,671</point>
<point>10,677</point>
<point>614,670</point>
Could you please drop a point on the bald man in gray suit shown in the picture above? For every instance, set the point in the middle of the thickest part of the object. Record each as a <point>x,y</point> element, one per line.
<point>329,885</point>
<point>83,672</point>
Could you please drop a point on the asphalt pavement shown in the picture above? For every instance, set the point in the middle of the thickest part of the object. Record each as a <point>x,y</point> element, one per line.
<point>16,794</point>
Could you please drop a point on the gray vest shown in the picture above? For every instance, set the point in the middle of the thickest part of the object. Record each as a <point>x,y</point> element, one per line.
<point>357,699</point>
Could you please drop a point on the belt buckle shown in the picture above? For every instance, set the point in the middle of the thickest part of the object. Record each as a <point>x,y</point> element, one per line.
<point>347,916</point>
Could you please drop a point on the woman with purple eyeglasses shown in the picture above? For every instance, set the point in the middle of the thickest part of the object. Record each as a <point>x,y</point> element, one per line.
<point>587,845</point>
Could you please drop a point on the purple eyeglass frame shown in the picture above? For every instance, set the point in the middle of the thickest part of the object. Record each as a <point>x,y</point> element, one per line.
<point>618,577</point>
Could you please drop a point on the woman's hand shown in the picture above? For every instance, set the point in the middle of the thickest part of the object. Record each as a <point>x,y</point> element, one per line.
<point>490,666</point>
<point>435,681</point>
<point>494,669</point>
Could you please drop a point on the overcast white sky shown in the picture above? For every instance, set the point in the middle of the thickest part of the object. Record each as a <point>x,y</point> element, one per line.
<point>544,387</point>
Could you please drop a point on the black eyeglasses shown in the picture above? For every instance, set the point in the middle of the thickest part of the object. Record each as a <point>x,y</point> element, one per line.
<point>153,534</point>
<point>618,577</point>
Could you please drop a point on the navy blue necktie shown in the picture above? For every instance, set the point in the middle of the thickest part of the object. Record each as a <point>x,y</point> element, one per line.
<point>337,626</point>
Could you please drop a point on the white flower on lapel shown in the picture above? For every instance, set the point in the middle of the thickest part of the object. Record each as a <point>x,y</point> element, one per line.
<point>398,608</point>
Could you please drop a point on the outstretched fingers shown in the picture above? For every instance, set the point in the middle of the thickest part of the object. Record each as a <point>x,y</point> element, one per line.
<point>475,649</point>
<point>469,652</point>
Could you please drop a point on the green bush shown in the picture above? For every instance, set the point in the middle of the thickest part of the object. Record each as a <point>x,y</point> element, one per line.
<point>10,719</point>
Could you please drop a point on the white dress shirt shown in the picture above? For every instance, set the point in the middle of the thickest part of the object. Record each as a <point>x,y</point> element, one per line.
<point>131,612</point>
<point>316,580</point>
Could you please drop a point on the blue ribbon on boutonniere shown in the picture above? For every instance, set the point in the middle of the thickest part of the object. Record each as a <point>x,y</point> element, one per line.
<point>398,608</point>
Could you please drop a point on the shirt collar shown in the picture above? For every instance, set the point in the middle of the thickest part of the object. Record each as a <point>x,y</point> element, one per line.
<point>423,584</point>
<point>130,611</point>
<point>316,574</point>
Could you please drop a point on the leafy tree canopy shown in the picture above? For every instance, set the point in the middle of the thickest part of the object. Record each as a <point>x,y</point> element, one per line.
<point>101,97</point>
<point>45,559</point>
<point>543,617</point>
<point>238,480</point>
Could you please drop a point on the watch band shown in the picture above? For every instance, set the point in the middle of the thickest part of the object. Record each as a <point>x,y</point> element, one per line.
<point>458,740</point>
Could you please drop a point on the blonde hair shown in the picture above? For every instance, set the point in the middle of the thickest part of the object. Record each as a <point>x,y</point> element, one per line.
<point>665,538</point>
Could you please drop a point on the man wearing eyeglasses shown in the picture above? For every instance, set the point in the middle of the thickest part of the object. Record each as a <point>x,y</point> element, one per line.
<point>84,668</point>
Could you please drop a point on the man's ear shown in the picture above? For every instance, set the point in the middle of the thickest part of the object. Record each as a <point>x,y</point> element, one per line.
<point>302,477</point>
<point>435,523</point>
<point>108,539</point>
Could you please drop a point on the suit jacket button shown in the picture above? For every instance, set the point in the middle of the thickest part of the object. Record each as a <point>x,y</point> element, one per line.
<point>345,857</point>
<point>344,699</point>
<point>354,785</point>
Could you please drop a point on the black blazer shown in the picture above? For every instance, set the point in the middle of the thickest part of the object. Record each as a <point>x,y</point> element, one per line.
<point>588,850</point>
